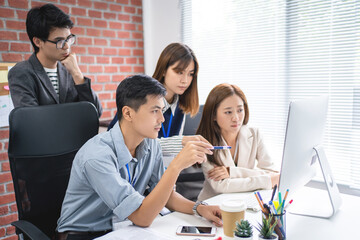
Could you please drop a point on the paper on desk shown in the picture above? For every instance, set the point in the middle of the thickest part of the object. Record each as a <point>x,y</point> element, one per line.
<point>134,232</point>
<point>6,106</point>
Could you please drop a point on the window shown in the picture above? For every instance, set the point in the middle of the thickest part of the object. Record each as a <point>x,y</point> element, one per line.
<point>277,51</point>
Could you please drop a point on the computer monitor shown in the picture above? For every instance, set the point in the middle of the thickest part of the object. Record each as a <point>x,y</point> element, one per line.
<point>302,150</point>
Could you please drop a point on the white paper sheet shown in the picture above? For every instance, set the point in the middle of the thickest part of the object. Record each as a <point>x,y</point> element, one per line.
<point>134,232</point>
<point>6,106</point>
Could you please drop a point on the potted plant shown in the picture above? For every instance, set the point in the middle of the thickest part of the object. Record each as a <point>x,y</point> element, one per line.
<point>243,230</point>
<point>266,229</point>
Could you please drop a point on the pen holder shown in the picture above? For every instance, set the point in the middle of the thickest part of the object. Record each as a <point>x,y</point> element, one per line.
<point>280,228</point>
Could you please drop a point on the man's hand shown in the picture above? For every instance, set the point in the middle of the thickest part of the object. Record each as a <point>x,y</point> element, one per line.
<point>193,152</point>
<point>186,139</point>
<point>211,213</point>
<point>218,173</point>
<point>70,63</point>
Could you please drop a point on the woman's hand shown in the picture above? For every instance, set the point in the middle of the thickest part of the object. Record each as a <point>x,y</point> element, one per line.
<point>186,139</point>
<point>219,173</point>
<point>275,177</point>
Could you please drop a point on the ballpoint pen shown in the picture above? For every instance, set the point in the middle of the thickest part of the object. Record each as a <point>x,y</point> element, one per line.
<point>287,205</point>
<point>287,192</point>
<point>261,205</point>
<point>221,147</point>
<point>281,206</point>
<point>273,193</point>
<point>261,200</point>
<point>272,207</point>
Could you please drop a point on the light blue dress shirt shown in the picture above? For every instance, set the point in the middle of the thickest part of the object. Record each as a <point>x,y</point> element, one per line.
<point>99,182</point>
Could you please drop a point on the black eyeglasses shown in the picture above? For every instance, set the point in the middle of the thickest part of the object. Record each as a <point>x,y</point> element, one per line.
<point>61,43</point>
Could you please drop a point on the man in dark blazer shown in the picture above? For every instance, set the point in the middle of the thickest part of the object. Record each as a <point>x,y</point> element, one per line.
<point>51,75</point>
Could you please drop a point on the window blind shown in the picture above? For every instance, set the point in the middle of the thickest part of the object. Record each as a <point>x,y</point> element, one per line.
<point>277,51</point>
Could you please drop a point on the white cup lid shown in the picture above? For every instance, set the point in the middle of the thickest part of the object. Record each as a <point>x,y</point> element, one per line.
<point>233,205</point>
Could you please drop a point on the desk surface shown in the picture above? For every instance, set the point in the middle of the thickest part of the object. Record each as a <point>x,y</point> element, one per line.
<point>341,226</point>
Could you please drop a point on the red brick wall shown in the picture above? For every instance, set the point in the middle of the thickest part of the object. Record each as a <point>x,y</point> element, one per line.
<point>109,47</point>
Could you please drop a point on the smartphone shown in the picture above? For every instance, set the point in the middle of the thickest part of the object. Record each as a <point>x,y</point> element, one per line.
<point>196,231</point>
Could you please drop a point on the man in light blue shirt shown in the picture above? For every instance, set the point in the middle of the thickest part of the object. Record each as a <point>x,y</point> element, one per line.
<point>111,172</point>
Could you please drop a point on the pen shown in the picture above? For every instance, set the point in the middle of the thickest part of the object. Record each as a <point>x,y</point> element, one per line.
<point>262,203</point>
<point>279,200</point>
<point>273,193</point>
<point>283,202</point>
<point>221,147</point>
<point>287,205</point>
<point>267,208</point>
<point>287,192</point>
<point>257,198</point>
<point>272,207</point>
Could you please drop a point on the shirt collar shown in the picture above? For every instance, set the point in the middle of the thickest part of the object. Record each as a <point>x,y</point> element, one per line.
<point>122,152</point>
<point>173,105</point>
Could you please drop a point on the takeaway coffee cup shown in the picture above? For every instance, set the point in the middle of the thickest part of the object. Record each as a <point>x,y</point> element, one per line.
<point>232,210</point>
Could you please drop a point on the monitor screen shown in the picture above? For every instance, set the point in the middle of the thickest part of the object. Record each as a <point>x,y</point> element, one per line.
<point>303,142</point>
<point>304,131</point>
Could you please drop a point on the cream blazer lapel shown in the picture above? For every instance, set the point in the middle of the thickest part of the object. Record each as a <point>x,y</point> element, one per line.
<point>245,150</point>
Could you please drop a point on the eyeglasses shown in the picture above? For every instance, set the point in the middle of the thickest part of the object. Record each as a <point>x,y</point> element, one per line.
<point>61,43</point>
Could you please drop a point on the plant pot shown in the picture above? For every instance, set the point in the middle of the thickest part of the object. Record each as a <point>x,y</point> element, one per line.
<point>274,237</point>
<point>243,238</point>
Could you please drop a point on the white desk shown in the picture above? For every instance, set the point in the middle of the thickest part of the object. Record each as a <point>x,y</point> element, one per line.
<point>341,226</point>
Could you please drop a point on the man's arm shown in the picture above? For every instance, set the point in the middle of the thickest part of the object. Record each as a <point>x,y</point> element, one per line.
<point>82,84</point>
<point>22,88</point>
<point>193,152</point>
<point>179,203</point>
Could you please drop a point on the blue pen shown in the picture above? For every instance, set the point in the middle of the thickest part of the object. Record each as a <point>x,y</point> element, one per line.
<point>221,147</point>
<point>261,200</point>
<point>272,207</point>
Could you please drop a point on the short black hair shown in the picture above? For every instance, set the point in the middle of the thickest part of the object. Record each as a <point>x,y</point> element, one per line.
<point>41,20</point>
<point>133,90</point>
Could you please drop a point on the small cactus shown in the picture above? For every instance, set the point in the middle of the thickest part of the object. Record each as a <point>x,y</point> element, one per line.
<point>244,229</point>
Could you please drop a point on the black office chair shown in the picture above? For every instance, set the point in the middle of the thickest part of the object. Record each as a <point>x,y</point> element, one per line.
<point>191,180</point>
<point>42,144</point>
<point>192,123</point>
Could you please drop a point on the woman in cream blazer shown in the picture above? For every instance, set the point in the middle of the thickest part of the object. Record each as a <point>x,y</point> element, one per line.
<point>247,166</point>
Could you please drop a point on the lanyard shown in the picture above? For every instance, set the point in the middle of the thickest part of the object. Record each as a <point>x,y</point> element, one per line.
<point>163,128</point>
<point>128,170</point>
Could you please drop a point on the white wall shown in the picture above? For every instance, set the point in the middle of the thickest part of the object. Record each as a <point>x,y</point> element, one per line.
<point>162,26</point>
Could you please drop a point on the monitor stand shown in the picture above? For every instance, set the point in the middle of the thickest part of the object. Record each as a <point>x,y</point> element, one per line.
<point>315,202</point>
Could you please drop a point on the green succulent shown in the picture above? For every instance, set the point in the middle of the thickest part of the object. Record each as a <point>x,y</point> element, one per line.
<point>266,229</point>
<point>244,229</point>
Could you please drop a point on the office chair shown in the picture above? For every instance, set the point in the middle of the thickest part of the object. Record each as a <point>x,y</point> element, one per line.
<point>191,180</point>
<point>42,144</point>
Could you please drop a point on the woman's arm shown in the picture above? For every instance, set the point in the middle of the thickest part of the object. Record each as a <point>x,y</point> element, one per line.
<point>246,180</point>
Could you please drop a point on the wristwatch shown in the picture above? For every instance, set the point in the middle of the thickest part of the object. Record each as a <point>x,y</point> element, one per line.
<point>195,207</point>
